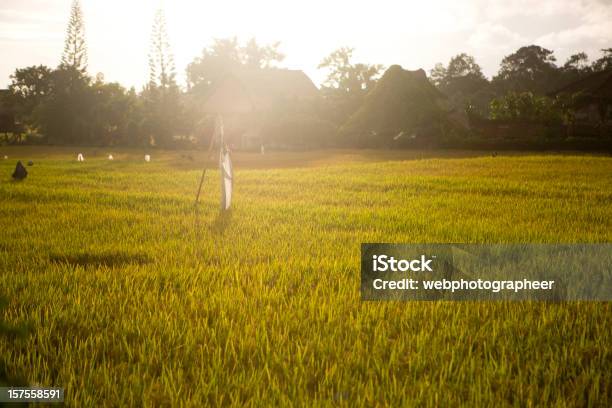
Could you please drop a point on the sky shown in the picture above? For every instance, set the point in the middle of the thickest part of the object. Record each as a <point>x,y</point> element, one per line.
<point>413,34</point>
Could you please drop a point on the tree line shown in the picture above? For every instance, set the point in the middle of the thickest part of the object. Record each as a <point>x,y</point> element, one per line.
<point>65,105</point>
<point>529,75</point>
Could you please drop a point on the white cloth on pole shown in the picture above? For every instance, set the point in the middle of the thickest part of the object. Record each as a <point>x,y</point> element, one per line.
<point>225,166</point>
<point>227,177</point>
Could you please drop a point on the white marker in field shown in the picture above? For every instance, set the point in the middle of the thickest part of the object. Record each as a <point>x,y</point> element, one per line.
<point>5,157</point>
<point>110,157</point>
<point>80,157</point>
<point>147,158</point>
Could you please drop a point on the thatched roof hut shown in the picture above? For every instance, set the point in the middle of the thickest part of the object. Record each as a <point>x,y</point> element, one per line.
<point>249,90</point>
<point>245,97</point>
<point>403,105</point>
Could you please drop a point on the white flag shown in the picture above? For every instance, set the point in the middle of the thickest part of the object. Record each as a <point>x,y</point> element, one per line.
<point>227,178</point>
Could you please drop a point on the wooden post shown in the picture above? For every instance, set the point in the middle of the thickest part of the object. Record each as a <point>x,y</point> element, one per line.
<point>210,146</point>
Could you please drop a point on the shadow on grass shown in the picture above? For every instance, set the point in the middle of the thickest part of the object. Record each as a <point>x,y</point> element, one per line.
<point>108,259</point>
<point>221,222</point>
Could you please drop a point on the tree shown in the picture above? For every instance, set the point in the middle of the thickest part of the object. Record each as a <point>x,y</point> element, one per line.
<point>64,114</point>
<point>577,62</point>
<point>164,115</point>
<point>605,62</point>
<point>116,115</point>
<point>162,71</point>
<point>225,55</point>
<point>346,84</point>
<point>347,77</point>
<point>531,68</point>
<point>575,67</point>
<point>463,81</point>
<point>463,65</point>
<point>437,75</point>
<point>29,86</point>
<point>52,102</point>
<point>161,98</point>
<point>254,55</point>
<point>216,60</point>
<point>75,48</point>
<point>526,107</point>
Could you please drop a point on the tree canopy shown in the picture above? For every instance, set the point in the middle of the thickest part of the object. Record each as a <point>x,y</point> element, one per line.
<point>530,68</point>
<point>345,76</point>
<point>225,55</point>
<point>463,81</point>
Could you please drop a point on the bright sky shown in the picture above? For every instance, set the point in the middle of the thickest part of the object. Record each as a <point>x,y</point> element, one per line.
<point>414,34</point>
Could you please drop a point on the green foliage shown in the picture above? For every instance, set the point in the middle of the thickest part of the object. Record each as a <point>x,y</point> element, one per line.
<point>135,299</point>
<point>66,107</point>
<point>225,55</point>
<point>116,116</point>
<point>527,107</point>
<point>460,66</point>
<point>575,68</point>
<point>577,62</point>
<point>529,69</point>
<point>161,61</point>
<point>164,115</point>
<point>605,62</point>
<point>346,85</point>
<point>63,115</point>
<point>29,87</point>
<point>463,82</point>
<point>75,47</point>
<point>346,77</point>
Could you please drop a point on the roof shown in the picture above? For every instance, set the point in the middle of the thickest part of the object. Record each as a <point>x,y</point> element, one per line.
<point>247,90</point>
<point>597,85</point>
<point>401,100</point>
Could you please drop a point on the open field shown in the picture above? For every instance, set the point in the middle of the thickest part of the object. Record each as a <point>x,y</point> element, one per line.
<point>119,291</point>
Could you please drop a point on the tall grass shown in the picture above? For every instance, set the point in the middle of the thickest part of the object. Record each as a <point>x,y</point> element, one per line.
<point>133,297</point>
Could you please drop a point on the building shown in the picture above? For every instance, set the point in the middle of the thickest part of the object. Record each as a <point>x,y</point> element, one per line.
<point>247,98</point>
<point>591,98</point>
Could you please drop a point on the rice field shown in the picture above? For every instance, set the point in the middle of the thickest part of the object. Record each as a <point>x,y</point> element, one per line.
<point>116,288</point>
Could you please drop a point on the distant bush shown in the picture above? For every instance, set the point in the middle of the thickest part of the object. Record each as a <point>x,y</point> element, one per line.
<point>526,107</point>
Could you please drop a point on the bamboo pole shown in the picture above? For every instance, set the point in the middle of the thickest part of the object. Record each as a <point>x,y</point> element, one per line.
<point>210,146</point>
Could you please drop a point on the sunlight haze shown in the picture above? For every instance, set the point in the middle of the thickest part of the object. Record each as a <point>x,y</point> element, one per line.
<point>414,34</point>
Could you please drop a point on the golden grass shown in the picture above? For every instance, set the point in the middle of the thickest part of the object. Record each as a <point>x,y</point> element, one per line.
<point>132,297</point>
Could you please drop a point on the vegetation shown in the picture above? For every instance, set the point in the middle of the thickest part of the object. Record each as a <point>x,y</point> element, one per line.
<point>75,48</point>
<point>67,106</point>
<point>133,297</point>
<point>226,55</point>
<point>527,107</point>
<point>463,82</point>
